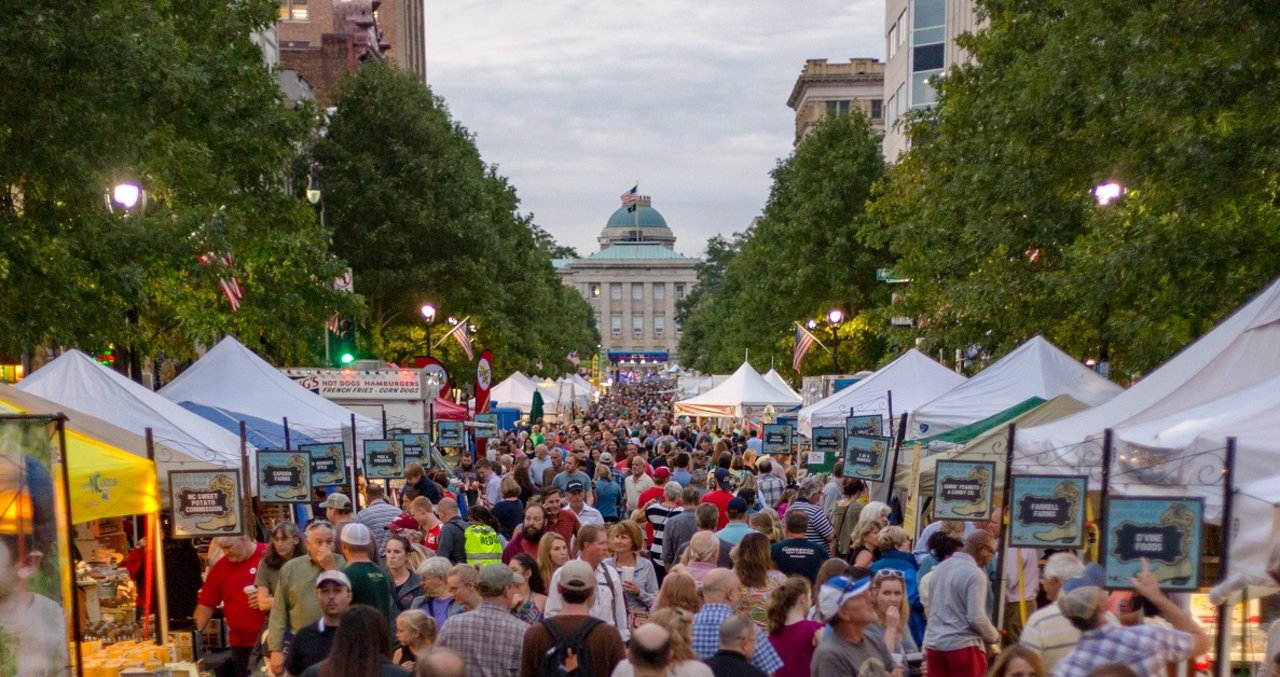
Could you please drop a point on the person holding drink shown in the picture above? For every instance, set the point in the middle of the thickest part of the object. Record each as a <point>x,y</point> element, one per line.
<point>639,577</point>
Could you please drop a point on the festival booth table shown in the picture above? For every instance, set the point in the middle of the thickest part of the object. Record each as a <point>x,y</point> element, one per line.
<point>909,381</point>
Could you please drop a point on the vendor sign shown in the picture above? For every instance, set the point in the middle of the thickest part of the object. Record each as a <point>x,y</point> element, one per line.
<point>486,426</point>
<point>963,490</point>
<point>866,457</point>
<point>777,439</point>
<point>415,446</point>
<point>1165,531</point>
<point>205,503</point>
<point>383,459</point>
<point>284,476</point>
<point>1048,511</point>
<point>870,425</point>
<point>828,443</point>
<point>328,463</point>
<point>450,434</point>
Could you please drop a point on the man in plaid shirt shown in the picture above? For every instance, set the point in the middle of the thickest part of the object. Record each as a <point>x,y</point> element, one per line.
<point>1146,649</point>
<point>769,487</point>
<point>489,639</point>
<point>721,591</point>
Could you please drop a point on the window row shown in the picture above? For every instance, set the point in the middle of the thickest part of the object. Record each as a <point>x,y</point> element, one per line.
<point>637,325</point>
<point>637,290</point>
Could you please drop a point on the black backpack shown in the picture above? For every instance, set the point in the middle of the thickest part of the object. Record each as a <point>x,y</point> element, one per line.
<point>553,661</point>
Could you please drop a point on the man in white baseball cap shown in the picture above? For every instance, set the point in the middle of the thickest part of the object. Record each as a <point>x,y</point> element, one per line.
<point>311,644</point>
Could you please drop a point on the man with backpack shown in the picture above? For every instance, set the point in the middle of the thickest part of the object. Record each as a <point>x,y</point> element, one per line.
<point>452,532</point>
<point>574,643</point>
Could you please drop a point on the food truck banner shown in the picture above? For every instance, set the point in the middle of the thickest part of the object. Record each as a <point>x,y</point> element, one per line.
<point>383,459</point>
<point>827,445</point>
<point>328,463</point>
<point>33,558</point>
<point>450,434</point>
<point>205,503</point>
<point>1048,511</point>
<point>962,490</point>
<point>870,425</point>
<point>777,439</point>
<point>1165,531</point>
<point>284,476</point>
<point>866,458</point>
<point>415,447</point>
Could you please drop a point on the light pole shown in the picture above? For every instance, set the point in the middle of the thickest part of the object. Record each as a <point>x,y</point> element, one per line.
<point>835,317</point>
<point>127,197</point>
<point>428,314</point>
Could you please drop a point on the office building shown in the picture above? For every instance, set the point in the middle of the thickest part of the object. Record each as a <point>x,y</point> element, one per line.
<point>834,88</point>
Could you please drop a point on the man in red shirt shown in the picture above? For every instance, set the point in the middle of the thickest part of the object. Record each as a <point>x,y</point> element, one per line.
<point>562,522</point>
<point>721,496</point>
<point>225,584</point>
<point>654,493</point>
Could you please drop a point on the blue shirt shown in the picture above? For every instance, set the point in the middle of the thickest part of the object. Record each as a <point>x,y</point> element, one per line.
<point>681,477</point>
<point>734,532</point>
<point>608,497</point>
<point>706,638</point>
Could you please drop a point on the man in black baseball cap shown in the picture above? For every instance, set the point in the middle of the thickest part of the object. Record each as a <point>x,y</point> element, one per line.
<point>721,496</point>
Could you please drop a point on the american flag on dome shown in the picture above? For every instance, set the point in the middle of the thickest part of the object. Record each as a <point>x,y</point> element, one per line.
<point>631,195</point>
<point>804,341</point>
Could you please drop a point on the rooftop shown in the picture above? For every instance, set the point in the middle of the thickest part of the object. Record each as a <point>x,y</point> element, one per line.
<point>632,251</point>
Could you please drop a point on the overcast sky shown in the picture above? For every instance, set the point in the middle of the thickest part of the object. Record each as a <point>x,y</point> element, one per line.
<point>577,100</point>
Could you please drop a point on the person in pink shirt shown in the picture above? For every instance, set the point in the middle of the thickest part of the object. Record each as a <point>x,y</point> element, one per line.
<point>792,636</point>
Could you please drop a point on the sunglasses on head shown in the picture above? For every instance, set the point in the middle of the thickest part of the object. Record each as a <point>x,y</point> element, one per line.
<point>891,573</point>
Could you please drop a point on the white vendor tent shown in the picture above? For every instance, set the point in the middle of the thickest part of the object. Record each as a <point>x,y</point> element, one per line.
<point>184,441</point>
<point>913,379</point>
<point>1255,543</point>
<point>583,384</point>
<point>775,379</point>
<point>1243,350</point>
<point>514,391</point>
<point>742,394</point>
<point>1037,368</point>
<point>232,379</point>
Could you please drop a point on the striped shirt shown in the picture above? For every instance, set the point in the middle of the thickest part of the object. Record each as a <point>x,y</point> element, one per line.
<point>658,514</point>
<point>1146,649</point>
<point>819,530</point>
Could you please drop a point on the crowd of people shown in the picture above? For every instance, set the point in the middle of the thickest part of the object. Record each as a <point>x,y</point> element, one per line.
<point>625,544</point>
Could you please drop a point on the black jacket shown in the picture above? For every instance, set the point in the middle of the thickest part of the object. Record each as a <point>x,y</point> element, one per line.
<point>732,664</point>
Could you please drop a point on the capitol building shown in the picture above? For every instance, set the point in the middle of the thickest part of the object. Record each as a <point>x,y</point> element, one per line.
<point>633,284</point>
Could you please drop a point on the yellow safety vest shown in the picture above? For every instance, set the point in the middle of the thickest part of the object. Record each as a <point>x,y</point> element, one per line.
<point>482,545</point>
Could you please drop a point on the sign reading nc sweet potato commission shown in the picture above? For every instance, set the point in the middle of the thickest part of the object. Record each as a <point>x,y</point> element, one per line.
<point>828,447</point>
<point>205,503</point>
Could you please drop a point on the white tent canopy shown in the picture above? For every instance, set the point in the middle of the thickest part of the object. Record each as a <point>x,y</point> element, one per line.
<point>739,395</point>
<point>1241,351</point>
<point>232,378</point>
<point>1255,540</point>
<point>775,379</point>
<point>184,441</point>
<point>913,379</point>
<point>515,391</point>
<point>1037,368</point>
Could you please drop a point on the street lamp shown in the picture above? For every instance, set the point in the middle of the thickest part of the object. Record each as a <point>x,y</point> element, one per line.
<point>428,314</point>
<point>1107,192</point>
<point>835,317</point>
<point>127,197</point>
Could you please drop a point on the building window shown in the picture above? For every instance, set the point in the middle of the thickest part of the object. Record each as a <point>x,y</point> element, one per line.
<point>637,325</point>
<point>837,107</point>
<point>615,325</point>
<point>637,291</point>
<point>596,317</point>
<point>659,325</point>
<point>900,101</point>
<point>892,111</point>
<point>293,10</point>
<point>659,291</point>
<point>615,291</point>
<point>901,23</point>
<point>928,53</point>
<point>877,109</point>
<point>594,290</point>
<point>892,41</point>
<point>679,290</point>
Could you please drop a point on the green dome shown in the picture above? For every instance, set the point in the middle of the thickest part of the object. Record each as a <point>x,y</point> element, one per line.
<point>644,216</point>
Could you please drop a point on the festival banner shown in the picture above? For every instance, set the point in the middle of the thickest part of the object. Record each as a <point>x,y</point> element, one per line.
<point>963,490</point>
<point>870,425</point>
<point>205,503</point>
<point>484,379</point>
<point>328,463</point>
<point>415,447</point>
<point>1165,531</point>
<point>383,459</point>
<point>430,365</point>
<point>284,476</point>
<point>866,458</point>
<point>1048,511</point>
<point>828,443</point>
<point>777,439</point>
<point>451,434</point>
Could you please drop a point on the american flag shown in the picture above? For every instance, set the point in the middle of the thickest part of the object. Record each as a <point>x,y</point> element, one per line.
<point>461,334</point>
<point>573,358</point>
<point>631,195</point>
<point>229,283</point>
<point>335,324</point>
<point>804,341</point>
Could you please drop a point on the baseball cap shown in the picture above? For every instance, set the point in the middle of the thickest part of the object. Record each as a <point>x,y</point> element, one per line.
<point>404,521</point>
<point>606,457</point>
<point>737,505</point>
<point>574,486</point>
<point>337,501</point>
<point>577,575</point>
<point>333,576</point>
<point>1080,595</point>
<point>494,578</point>
<point>356,534</point>
<point>723,476</point>
<point>662,473</point>
<point>837,591</point>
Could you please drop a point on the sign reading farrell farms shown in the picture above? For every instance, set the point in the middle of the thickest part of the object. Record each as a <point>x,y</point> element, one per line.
<point>1048,511</point>
<point>205,503</point>
<point>827,445</point>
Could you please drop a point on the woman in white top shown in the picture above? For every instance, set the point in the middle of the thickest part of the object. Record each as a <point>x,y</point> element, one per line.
<point>684,663</point>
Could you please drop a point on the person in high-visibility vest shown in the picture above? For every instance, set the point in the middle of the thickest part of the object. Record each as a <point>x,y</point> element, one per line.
<point>480,540</point>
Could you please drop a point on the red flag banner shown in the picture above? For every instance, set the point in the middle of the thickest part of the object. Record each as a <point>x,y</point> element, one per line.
<point>484,381</point>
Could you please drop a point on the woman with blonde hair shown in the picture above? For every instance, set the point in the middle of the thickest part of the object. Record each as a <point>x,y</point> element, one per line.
<point>753,563</point>
<point>791,635</point>
<point>889,601</point>
<point>684,662</point>
<point>553,552</point>
<point>699,557</point>
<point>895,556</point>
<point>765,522</point>
<point>679,591</point>
<point>864,542</point>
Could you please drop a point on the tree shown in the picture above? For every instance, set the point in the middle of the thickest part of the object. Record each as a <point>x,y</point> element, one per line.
<point>990,214</point>
<point>800,258</point>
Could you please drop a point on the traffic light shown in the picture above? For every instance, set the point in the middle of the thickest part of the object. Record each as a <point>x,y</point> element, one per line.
<point>342,344</point>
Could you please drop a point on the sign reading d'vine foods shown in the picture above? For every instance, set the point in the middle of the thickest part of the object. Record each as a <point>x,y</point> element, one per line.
<point>205,503</point>
<point>828,443</point>
<point>866,458</point>
<point>383,459</point>
<point>1165,531</point>
<point>777,439</point>
<point>1048,511</point>
<point>869,425</point>
<point>963,490</point>
<point>328,463</point>
<point>450,434</point>
<point>284,476</point>
<point>415,446</point>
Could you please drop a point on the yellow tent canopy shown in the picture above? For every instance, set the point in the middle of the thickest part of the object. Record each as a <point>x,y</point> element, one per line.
<point>109,472</point>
